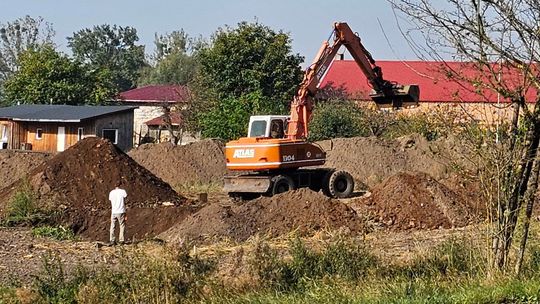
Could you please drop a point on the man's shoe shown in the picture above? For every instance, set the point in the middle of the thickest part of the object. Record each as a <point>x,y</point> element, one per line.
<point>111,243</point>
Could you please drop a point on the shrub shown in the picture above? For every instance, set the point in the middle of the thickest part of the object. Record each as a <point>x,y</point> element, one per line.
<point>336,119</point>
<point>22,208</point>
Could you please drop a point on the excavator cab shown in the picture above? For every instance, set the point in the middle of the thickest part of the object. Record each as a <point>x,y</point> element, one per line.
<point>398,96</point>
<point>271,126</point>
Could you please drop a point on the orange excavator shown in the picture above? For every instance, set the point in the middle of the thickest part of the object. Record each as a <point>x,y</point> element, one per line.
<point>276,152</point>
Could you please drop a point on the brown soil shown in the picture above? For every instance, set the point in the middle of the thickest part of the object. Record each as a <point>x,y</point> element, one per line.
<point>79,180</point>
<point>302,210</point>
<point>417,201</point>
<point>17,164</point>
<point>371,160</point>
<point>198,162</point>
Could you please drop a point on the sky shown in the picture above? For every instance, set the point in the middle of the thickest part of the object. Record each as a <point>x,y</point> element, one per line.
<point>307,22</point>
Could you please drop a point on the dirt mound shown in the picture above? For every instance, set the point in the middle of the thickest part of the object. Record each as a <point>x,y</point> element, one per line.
<point>417,201</point>
<point>370,160</point>
<point>17,164</point>
<point>79,179</point>
<point>198,162</point>
<point>302,209</point>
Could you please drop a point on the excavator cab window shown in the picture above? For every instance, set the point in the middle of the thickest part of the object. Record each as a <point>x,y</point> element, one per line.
<point>276,128</point>
<point>258,128</point>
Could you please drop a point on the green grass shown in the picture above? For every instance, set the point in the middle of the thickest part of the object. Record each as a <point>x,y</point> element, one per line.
<point>8,295</point>
<point>58,233</point>
<point>388,291</point>
<point>340,270</point>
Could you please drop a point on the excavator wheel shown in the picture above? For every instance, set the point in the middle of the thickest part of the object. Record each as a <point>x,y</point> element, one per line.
<point>338,184</point>
<point>282,183</point>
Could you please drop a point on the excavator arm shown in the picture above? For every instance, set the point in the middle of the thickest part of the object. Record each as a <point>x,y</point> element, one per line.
<point>385,93</point>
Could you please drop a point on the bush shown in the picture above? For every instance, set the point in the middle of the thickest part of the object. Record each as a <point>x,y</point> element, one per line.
<point>22,208</point>
<point>58,233</point>
<point>340,118</point>
<point>336,119</point>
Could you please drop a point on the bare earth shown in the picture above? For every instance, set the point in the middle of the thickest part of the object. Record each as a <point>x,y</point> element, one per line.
<point>415,200</point>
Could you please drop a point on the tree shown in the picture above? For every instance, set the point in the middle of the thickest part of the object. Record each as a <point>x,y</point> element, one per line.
<point>336,118</point>
<point>239,63</point>
<point>113,48</point>
<point>500,39</point>
<point>173,61</point>
<point>18,36</point>
<point>229,118</point>
<point>48,77</point>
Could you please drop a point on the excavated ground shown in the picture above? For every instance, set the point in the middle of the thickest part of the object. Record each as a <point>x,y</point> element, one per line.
<point>414,200</point>
<point>412,194</point>
<point>200,162</point>
<point>301,210</point>
<point>17,164</point>
<point>78,181</point>
<point>370,160</point>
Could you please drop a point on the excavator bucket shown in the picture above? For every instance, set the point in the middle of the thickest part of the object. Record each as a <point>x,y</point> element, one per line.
<point>398,97</point>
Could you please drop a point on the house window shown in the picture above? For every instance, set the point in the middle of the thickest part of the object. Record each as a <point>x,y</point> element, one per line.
<point>39,133</point>
<point>80,134</point>
<point>111,134</point>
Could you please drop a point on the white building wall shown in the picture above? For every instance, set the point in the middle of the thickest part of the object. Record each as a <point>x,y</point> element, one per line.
<point>142,115</point>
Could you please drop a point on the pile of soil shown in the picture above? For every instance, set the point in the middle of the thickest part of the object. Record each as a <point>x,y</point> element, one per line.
<point>17,164</point>
<point>417,201</point>
<point>198,162</point>
<point>78,181</point>
<point>370,160</point>
<point>302,210</point>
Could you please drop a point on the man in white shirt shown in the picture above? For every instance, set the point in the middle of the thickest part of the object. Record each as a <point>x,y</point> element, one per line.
<point>118,212</point>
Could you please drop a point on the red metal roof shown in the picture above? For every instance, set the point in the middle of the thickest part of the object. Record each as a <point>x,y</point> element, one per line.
<point>176,119</point>
<point>156,94</point>
<point>434,85</point>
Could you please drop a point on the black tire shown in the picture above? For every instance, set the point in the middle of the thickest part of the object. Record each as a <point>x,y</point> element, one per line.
<point>243,196</point>
<point>282,183</point>
<point>338,184</point>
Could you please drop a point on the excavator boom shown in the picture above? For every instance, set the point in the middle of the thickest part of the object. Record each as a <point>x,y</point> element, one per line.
<point>386,94</point>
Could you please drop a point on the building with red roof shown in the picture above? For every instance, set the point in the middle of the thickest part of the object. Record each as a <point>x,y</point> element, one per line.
<point>436,88</point>
<point>151,101</point>
<point>159,129</point>
<point>155,94</point>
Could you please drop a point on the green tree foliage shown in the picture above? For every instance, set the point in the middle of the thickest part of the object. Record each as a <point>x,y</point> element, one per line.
<point>113,48</point>
<point>46,76</point>
<point>18,36</point>
<point>172,62</point>
<point>337,119</point>
<point>229,119</point>
<point>248,59</point>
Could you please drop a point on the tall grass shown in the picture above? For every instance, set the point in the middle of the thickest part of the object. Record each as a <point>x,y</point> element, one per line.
<point>341,258</point>
<point>341,270</point>
<point>22,208</point>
